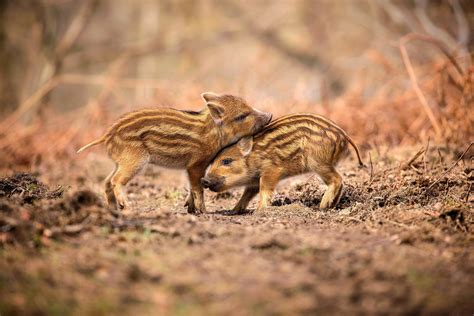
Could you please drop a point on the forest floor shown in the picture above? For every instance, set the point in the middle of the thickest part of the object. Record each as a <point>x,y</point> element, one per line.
<point>400,242</point>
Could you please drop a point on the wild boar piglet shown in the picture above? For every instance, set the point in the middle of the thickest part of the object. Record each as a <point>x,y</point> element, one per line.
<point>291,145</point>
<point>176,139</point>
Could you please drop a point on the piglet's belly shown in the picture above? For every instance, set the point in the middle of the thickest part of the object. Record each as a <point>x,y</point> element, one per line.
<point>169,162</point>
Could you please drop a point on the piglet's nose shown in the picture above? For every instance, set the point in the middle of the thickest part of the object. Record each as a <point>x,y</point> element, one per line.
<point>205,182</point>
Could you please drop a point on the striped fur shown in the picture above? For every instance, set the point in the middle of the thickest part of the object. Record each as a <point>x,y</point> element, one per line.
<point>176,139</point>
<point>290,145</point>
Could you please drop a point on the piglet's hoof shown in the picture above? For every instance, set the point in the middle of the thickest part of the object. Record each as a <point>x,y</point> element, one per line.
<point>240,212</point>
<point>121,205</point>
<point>193,210</point>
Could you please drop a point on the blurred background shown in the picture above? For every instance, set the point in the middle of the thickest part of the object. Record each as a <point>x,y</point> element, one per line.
<point>389,72</point>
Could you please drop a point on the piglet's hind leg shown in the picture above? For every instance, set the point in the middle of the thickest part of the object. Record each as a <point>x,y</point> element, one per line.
<point>268,182</point>
<point>334,188</point>
<point>127,169</point>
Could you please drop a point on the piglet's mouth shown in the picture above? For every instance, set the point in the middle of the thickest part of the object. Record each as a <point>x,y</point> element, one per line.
<point>212,184</point>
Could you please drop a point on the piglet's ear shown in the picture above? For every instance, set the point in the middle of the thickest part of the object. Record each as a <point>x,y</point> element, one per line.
<point>216,111</point>
<point>245,145</point>
<point>209,96</point>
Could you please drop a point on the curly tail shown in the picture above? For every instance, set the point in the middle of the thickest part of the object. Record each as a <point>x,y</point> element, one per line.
<point>95,142</point>
<point>361,164</point>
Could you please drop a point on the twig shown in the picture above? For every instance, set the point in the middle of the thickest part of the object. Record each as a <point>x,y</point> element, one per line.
<point>416,87</point>
<point>416,169</point>
<point>432,214</point>
<point>412,160</point>
<point>398,224</point>
<point>398,15</point>
<point>440,156</point>
<point>371,169</point>
<point>429,26</point>
<point>468,192</point>
<point>463,25</point>
<point>450,168</point>
<point>445,50</point>
<point>75,29</point>
<point>29,103</point>
<point>424,155</point>
<point>355,219</point>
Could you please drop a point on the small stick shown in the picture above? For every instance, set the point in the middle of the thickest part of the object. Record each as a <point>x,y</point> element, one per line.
<point>450,168</point>
<point>432,214</point>
<point>440,156</point>
<point>439,44</point>
<point>371,169</point>
<point>354,219</point>
<point>412,160</point>
<point>416,170</point>
<point>446,190</point>
<point>398,224</point>
<point>424,156</point>
<point>468,192</point>
<point>429,112</point>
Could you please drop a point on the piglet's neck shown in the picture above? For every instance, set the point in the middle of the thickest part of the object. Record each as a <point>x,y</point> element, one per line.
<point>214,135</point>
<point>253,162</point>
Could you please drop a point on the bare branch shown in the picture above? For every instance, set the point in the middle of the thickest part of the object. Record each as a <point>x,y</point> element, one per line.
<point>444,49</point>
<point>430,27</point>
<point>463,25</point>
<point>397,15</point>
<point>450,168</point>
<point>75,29</point>
<point>30,103</point>
<point>416,87</point>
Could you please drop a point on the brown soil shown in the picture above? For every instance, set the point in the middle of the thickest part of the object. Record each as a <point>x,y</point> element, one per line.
<point>400,242</point>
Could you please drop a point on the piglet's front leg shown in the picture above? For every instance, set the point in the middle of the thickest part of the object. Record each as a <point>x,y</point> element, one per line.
<point>195,201</point>
<point>244,201</point>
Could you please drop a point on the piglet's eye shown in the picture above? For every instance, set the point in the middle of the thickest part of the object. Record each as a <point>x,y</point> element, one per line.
<point>241,117</point>
<point>226,161</point>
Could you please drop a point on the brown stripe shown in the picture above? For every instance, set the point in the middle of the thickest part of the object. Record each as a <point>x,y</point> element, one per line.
<point>288,142</point>
<point>272,128</point>
<point>301,130</point>
<point>157,152</point>
<point>161,138</point>
<point>285,134</point>
<point>158,113</point>
<point>322,120</point>
<point>168,111</point>
<point>163,130</point>
<point>331,123</point>
<point>304,115</point>
<point>291,155</point>
<point>155,120</point>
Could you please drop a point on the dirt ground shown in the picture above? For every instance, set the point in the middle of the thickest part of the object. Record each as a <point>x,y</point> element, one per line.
<point>400,242</point>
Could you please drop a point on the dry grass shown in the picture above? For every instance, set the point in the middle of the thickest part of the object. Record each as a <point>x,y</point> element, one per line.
<point>439,107</point>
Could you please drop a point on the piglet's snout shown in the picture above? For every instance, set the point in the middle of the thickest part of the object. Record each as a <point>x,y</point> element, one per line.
<point>206,183</point>
<point>213,184</point>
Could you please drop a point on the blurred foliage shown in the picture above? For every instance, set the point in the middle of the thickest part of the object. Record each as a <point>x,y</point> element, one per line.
<point>100,58</point>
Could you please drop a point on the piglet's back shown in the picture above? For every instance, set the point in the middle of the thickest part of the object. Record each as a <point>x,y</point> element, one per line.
<point>168,133</point>
<point>287,137</point>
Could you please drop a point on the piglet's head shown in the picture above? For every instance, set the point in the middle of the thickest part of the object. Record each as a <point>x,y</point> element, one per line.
<point>234,116</point>
<point>229,168</point>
